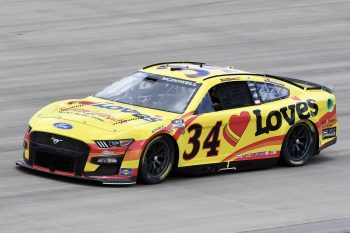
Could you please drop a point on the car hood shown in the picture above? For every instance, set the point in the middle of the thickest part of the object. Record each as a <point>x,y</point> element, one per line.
<point>104,114</point>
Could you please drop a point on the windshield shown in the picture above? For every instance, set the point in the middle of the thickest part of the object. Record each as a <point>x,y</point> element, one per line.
<point>151,91</point>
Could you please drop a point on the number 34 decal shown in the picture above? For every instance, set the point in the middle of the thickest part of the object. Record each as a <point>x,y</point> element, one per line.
<point>211,142</point>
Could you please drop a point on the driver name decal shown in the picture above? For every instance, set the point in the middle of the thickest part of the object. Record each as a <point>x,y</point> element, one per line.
<point>179,81</point>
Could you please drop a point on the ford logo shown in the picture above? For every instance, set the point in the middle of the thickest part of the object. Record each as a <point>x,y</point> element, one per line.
<point>61,125</point>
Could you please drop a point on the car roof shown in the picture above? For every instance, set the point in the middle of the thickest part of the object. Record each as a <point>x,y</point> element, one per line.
<point>199,72</point>
<point>195,71</point>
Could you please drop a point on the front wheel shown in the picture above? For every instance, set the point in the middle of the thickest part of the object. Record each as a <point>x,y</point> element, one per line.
<point>157,160</point>
<point>298,146</point>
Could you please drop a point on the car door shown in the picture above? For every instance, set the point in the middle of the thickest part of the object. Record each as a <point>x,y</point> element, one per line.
<point>223,118</point>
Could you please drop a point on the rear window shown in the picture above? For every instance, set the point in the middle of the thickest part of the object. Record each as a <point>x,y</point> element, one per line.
<point>267,92</point>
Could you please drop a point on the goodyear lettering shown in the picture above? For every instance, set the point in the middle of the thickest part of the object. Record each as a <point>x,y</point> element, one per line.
<point>275,118</point>
<point>134,112</point>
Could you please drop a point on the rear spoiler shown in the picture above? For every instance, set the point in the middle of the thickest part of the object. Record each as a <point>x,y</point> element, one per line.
<point>306,85</point>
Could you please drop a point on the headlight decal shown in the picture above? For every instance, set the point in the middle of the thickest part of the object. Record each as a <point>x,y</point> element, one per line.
<point>113,143</point>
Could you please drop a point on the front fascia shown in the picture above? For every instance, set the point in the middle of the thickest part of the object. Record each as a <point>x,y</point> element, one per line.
<point>88,134</point>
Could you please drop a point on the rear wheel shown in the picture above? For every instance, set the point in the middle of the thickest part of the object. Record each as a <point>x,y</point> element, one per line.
<point>298,146</point>
<point>157,160</point>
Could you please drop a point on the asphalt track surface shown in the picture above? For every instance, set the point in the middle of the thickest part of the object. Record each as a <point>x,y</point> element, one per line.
<point>53,50</point>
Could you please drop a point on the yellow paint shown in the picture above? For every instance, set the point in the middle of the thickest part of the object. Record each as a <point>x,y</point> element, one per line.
<point>110,124</point>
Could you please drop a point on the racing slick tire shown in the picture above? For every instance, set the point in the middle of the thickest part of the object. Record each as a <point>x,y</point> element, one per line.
<point>157,160</point>
<point>298,146</point>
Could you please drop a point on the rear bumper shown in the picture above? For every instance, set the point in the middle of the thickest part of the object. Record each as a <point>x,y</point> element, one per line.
<point>328,144</point>
<point>103,179</point>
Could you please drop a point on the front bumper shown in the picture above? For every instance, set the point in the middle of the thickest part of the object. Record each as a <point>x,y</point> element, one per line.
<point>103,179</point>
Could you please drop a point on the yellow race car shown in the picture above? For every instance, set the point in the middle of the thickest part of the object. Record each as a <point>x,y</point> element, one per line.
<point>185,117</point>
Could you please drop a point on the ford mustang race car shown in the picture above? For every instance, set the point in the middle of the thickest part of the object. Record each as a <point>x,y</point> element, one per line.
<point>185,117</point>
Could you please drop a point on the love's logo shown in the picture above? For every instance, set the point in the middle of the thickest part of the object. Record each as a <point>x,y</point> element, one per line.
<point>237,125</point>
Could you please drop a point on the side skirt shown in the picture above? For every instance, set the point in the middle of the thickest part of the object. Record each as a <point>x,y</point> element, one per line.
<point>233,165</point>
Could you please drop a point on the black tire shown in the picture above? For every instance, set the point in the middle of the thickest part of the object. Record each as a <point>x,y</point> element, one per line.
<point>298,146</point>
<point>157,160</point>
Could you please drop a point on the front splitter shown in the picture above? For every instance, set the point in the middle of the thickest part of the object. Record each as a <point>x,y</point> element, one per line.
<point>125,181</point>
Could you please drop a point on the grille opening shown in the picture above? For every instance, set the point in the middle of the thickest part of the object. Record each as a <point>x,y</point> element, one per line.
<point>105,170</point>
<point>54,162</point>
<point>64,142</point>
<point>63,154</point>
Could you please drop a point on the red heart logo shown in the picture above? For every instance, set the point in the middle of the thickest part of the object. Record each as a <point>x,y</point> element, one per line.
<point>238,124</point>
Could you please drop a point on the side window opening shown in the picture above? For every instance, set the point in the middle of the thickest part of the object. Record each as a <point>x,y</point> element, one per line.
<point>233,95</point>
<point>226,96</point>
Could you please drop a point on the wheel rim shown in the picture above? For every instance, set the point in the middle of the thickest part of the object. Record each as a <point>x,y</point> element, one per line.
<point>157,159</point>
<point>299,142</point>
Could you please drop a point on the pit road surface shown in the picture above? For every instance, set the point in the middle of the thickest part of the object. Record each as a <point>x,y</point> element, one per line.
<point>53,50</point>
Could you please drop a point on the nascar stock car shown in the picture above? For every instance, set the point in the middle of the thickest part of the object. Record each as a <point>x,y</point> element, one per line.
<point>182,116</point>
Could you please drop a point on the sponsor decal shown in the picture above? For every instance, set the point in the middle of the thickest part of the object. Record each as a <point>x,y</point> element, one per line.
<point>237,125</point>
<point>329,133</point>
<point>61,125</point>
<point>123,121</point>
<point>160,128</point>
<point>260,154</point>
<point>125,172</point>
<point>275,118</point>
<point>276,140</point>
<point>134,112</point>
<point>102,116</point>
<point>228,79</point>
<point>328,123</point>
<point>93,115</point>
<point>273,81</point>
